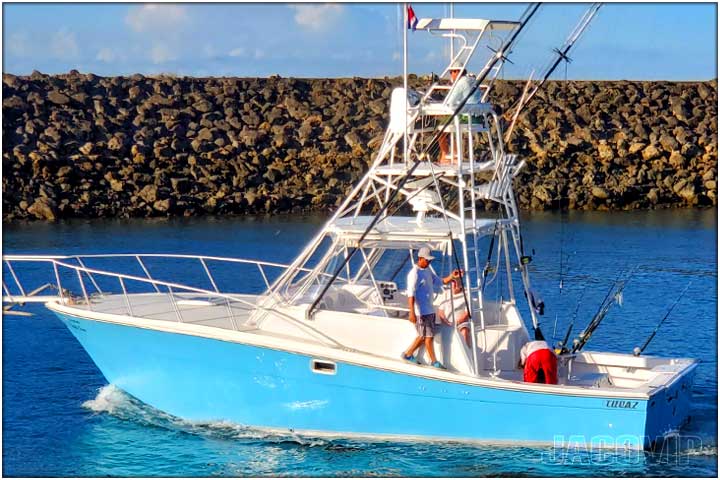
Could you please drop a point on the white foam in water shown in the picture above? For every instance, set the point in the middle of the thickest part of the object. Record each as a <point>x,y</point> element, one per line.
<point>108,399</point>
<point>114,401</point>
<point>710,451</point>
<point>230,430</point>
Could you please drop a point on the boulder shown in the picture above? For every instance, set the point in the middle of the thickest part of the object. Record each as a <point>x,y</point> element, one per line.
<point>205,134</point>
<point>14,102</point>
<point>679,186</point>
<point>652,196</point>
<point>688,194</point>
<point>599,193</point>
<point>676,159</point>
<point>80,97</point>
<point>181,185</point>
<point>116,185</point>
<point>148,193</point>
<point>541,193</point>
<point>203,106</point>
<point>116,143</point>
<point>605,152</point>
<point>352,139</point>
<point>58,98</point>
<point>650,152</point>
<point>669,143</point>
<point>43,209</point>
<point>636,147</point>
<point>162,205</point>
<point>87,148</point>
<point>64,171</point>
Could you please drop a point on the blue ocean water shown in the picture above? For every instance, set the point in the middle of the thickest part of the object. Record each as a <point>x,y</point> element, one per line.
<point>60,418</point>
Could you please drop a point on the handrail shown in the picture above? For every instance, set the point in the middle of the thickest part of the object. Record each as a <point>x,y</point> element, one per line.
<point>55,261</point>
<point>258,263</point>
<point>153,255</point>
<point>151,281</point>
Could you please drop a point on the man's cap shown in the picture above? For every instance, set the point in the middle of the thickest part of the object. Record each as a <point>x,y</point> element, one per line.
<point>424,252</point>
<point>456,65</point>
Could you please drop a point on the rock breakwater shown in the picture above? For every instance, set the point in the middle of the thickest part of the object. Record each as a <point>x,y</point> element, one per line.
<point>79,145</point>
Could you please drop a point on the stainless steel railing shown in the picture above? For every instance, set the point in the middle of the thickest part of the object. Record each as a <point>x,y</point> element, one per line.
<point>88,280</point>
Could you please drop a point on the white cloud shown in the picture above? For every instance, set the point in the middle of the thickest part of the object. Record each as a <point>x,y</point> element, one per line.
<point>237,52</point>
<point>317,17</point>
<point>259,53</point>
<point>309,405</point>
<point>18,44</point>
<point>153,17</point>
<point>63,44</point>
<point>106,55</point>
<point>161,53</point>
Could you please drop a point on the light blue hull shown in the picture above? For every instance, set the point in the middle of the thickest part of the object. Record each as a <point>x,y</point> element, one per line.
<point>204,379</point>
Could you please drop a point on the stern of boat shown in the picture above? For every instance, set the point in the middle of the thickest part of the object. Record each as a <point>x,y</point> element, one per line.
<point>668,408</point>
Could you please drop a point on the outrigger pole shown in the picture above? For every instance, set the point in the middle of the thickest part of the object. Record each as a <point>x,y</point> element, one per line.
<point>499,56</point>
<point>405,81</point>
<point>561,54</point>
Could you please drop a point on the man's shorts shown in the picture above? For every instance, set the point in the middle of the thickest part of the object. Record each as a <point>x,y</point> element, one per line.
<point>425,325</point>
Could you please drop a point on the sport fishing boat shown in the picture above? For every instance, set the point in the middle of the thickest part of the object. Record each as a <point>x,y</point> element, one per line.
<point>318,351</point>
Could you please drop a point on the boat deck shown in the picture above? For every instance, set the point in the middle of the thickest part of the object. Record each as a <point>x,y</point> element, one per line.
<point>193,309</point>
<point>593,370</point>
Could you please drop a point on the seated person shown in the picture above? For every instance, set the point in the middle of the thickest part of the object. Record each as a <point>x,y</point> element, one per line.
<point>540,363</point>
<point>453,304</point>
<point>462,85</point>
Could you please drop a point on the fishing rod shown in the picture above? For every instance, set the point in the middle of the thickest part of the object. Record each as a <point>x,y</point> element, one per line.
<point>561,346</point>
<point>488,261</point>
<point>561,54</point>
<point>637,351</point>
<point>614,295</point>
<point>562,238</point>
<point>500,55</point>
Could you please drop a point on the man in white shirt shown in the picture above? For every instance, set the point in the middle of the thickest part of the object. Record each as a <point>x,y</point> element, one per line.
<point>421,283</point>
<point>461,89</point>
<point>539,362</point>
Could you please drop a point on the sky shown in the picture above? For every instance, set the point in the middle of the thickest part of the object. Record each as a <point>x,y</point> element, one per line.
<point>634,41</point>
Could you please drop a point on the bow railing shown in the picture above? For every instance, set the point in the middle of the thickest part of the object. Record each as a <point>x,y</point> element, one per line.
<point>73,281</point>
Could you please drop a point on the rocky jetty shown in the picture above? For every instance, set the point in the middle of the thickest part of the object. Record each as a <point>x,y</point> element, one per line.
<point>79,145</point>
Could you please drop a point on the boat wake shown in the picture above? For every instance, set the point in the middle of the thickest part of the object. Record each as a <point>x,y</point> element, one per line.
<point>708,451</point>
<point>118,403</point>
<point>121,405</point>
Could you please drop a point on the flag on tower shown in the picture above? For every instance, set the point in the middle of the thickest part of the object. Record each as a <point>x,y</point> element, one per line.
<point>412,20</point>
